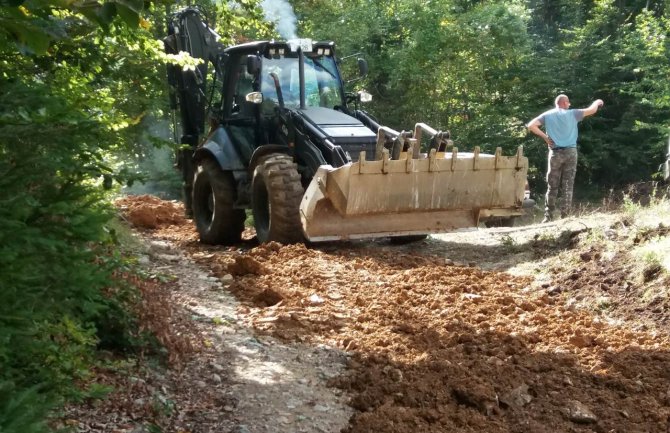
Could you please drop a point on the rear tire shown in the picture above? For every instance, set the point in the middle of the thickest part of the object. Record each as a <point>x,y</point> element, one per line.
<point>214,194</point>
<point>276,196</point>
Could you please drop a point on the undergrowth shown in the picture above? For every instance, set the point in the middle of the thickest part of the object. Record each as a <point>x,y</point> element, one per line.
<point>66,289</point>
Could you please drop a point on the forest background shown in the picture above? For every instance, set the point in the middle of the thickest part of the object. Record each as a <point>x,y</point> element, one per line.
<point>84,105</point>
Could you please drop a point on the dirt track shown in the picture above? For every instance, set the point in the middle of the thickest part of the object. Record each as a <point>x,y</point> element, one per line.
<point>437,344</point>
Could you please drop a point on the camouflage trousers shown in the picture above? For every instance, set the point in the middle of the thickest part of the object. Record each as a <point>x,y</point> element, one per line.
<point>561,172</point>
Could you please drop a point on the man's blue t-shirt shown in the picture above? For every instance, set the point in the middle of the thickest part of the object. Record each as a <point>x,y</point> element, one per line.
<point>561,125</point>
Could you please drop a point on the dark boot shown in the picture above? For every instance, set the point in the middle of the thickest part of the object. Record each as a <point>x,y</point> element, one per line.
<point>547,217</point>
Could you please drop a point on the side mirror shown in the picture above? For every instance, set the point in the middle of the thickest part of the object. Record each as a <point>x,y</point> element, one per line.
<point>253,64</point>
<point>363,67</point>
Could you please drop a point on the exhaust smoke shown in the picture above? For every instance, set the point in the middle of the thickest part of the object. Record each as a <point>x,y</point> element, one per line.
<point>281,13</point>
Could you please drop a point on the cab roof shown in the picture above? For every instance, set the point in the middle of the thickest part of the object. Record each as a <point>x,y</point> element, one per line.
<point>263,46</point>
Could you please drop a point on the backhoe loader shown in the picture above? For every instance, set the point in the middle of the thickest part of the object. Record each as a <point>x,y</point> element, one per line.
<point>286,140</point>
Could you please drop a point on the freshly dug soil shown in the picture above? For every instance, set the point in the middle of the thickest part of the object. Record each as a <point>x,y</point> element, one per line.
<point>149,212</point>
<point>438,344</point>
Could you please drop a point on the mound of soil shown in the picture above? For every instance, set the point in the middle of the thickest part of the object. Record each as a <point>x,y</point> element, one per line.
<point>149,212</point>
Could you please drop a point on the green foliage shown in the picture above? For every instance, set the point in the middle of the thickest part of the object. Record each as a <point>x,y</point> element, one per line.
<point>51,219</point>
<point>238,22</point>
<point>81,85</point>
<point>57,121</point>
<point>54,353</point>
<point>509,243</point>
<point>22,410</point>
<point>33,25</point>
<point>52,237</point>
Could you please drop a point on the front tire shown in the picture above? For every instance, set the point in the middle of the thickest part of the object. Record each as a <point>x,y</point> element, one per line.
<point>277,193</point>
<point>214,195</point>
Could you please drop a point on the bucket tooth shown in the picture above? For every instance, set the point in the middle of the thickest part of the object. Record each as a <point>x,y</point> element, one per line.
<point>385,161</point>
<point>520,158</point>
<point>432,157</point>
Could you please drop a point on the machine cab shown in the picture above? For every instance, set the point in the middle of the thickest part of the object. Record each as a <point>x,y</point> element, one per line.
<point>276,75</point>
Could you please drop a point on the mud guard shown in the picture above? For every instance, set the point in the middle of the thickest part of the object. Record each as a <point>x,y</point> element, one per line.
<point>440,193</point>
<point>221,148</point>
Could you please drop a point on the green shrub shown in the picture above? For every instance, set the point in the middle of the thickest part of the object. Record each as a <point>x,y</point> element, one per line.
<point>57,285</point>
<point>22,411</point>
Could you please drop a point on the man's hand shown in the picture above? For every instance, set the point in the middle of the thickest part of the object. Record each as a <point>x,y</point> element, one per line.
<point>534,127</point>
<point>593,108</point>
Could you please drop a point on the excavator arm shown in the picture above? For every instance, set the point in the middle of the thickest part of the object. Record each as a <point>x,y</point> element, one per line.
<point>187,32</point>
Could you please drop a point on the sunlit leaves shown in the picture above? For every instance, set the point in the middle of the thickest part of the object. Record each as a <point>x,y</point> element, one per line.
<point>647,54</point>
<point>183,59</point>
<point>35,24</point>
<point>651,34</point>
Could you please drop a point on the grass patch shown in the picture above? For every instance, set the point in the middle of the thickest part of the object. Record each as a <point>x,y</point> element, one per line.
<point>509,243</point>
<point>650,236</point>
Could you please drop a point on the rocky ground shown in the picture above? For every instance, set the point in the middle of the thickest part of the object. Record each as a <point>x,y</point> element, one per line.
<point>543,328</point>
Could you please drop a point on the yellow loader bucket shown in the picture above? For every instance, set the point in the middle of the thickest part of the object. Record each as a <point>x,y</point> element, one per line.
<point>440,192</point>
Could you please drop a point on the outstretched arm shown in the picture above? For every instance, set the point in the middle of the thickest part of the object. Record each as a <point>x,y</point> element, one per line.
<point>593,108</point>
<point>534,127</point>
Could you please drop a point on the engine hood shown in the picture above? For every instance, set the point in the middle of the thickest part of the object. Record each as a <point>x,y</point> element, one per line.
<point>339,127</point>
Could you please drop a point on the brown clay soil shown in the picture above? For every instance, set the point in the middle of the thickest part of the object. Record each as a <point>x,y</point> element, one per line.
<point>442,337</point>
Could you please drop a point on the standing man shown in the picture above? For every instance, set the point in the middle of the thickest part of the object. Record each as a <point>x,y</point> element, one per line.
<point>560,125</point>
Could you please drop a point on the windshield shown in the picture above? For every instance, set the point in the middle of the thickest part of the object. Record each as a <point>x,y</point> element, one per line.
<point>322,84</point>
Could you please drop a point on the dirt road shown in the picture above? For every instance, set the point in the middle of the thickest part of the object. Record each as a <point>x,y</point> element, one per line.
<point>470,332</point>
